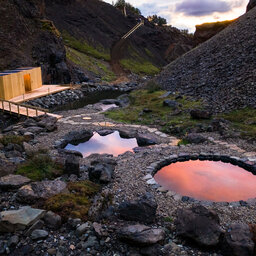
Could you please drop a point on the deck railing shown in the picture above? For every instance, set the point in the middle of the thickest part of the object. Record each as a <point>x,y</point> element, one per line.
<point>10,106</point>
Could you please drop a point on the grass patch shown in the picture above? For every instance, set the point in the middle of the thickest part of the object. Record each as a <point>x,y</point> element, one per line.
<point>160,115</point>
<point>140,67</point>
<point>168,219</point>
<point>40,166</point>
<point>183,142</point>
<point>13,139</point>
<point>84,47</point>
<point>91,64</point>
<point>76,203</point>
<point>243,120</point>
<point>152,87</point>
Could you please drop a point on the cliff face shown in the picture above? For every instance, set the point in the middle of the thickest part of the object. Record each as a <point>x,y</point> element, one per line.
<point>208,30</point>
<point>26,40</point>
<point>221,70</point>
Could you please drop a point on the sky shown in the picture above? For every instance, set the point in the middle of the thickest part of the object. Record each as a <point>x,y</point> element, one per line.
<point>185,14</point>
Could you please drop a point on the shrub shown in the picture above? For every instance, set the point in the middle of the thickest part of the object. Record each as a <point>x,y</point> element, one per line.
<point>75,204</point>
<point>14,139</point>
<point>40,166</point>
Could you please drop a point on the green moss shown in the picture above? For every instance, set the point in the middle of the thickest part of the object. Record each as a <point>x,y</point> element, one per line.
<point>40,166</point>
<point>140,66</point>
<point>14,139</point>
<point>84,47</point>
<point>183,142</point>
<point>149,53</point>
<point>162,116</point>
<point>91,64</point>
<point>76,203</point>
<point>168,219</point>
<point>243,120</point>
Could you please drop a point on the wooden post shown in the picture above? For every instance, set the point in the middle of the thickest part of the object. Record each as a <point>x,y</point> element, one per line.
<point>18,106</point>
<point>36,112</point>
<point>10,108</point>
<point>27,110</point>
<point>3,105</point>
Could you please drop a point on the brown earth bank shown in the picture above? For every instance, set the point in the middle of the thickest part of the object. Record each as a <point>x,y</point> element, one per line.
<point>221,70</point>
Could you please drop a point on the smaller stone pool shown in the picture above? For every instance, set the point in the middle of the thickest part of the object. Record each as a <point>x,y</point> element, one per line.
<point>108,144</point>
<point>208,180</point>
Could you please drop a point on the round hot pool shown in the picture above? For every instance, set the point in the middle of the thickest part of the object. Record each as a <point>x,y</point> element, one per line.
<point>208,180</point>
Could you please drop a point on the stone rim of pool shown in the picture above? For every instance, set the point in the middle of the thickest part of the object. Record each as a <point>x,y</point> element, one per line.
<point>182,157</point>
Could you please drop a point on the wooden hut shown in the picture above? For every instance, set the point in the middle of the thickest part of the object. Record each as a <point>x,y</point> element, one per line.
<point>16,82</point>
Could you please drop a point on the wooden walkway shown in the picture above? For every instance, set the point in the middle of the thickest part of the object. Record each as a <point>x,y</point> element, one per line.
<point>23,110</point>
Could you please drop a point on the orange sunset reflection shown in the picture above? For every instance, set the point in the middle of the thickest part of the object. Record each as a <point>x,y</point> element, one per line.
<point>208,180</point>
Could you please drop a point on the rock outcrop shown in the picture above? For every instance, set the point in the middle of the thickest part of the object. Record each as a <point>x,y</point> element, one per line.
<point>221,70</point>
<point>251,5</point>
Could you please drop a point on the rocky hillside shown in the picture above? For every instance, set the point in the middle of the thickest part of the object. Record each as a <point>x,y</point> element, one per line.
<point>222,70</point>
<point>26,40</point>
<point>72,38</point>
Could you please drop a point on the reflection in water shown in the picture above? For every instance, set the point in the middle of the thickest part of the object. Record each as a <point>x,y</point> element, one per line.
<point>110,144</point>
<point>105,107</point>
<point>208,180</point>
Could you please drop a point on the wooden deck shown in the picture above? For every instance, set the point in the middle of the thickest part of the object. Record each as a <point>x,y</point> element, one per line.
<point>40,92</point>
<point>23,110</point>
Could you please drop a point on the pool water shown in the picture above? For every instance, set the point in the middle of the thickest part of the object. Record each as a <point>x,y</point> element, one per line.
<point>109,144</point>
<point>208,180</point>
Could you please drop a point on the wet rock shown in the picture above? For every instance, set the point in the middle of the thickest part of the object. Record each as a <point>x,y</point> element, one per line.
<point>238,241</point>
<point>40,190</point>
<point>195,138</point>
<point>13,220</point>
<point>145,140</point>
<point>200,114</point>
<point>76,137</point>
<point>127,134</point>
<point>142,210</point>
<point>101,173</point>
<point>11,182</point>
<point>52,220</point>
<point>72,165</point>
<point>199,225</point>
<point>141,234</point>
<point>39,234</point>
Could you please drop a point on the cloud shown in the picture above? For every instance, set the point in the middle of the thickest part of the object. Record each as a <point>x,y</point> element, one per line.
<point>202,7</point>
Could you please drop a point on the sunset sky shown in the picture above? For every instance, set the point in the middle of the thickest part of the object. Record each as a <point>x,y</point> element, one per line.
<point>188,13</point>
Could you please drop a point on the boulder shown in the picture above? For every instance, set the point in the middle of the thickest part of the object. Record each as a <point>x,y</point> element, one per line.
<point>76,137</point>
<point>199,225</point>
<point>195,138</point>
<point>72,165</point>
<point>39,234</point>
<point>11,221</point>
<point>238,241</point>
<point>171,104</point>
<point>141,235</point>
<point>47,122</point>
<point>251,5</point>
<point>127,134</point>
<point>11,182</point>
<point>6,167</point>
<point>200,114</point>
<point>142,210</point>
<point>52,220</point>
<point>145,140</point>
<point>104,132</point>
<point>40,191</point>
<point>101,173</point>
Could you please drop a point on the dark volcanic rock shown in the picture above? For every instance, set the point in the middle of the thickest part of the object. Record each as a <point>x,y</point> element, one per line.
<point>76,137</point>
<point>200,114</point>
<point>199,225</point>
<point>238,241</point>
<point>251,5</point>
<point>52,220</point>
<point>72,165</point>
<point>145,140</point>
<point>101,173</point>
<point>195,138</point>
<point>141,235</point>
<point>142,210</point>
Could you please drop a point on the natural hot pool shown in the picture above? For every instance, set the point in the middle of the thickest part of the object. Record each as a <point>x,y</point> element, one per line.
<point>109,144</point>
<point>208,180</point>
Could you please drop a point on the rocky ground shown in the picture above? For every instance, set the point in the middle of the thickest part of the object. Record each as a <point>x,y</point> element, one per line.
<point>132,215</point>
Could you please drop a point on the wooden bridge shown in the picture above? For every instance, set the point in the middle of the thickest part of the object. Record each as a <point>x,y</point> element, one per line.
<point>23,110</point>
<point>141,23</point>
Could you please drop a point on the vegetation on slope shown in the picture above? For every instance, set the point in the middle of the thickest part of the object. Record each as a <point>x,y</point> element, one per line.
<point>96,66</point>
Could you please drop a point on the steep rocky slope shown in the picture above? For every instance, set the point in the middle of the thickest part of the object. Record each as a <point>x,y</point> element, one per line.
<point>26,41</point>
<point>222,70</point>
